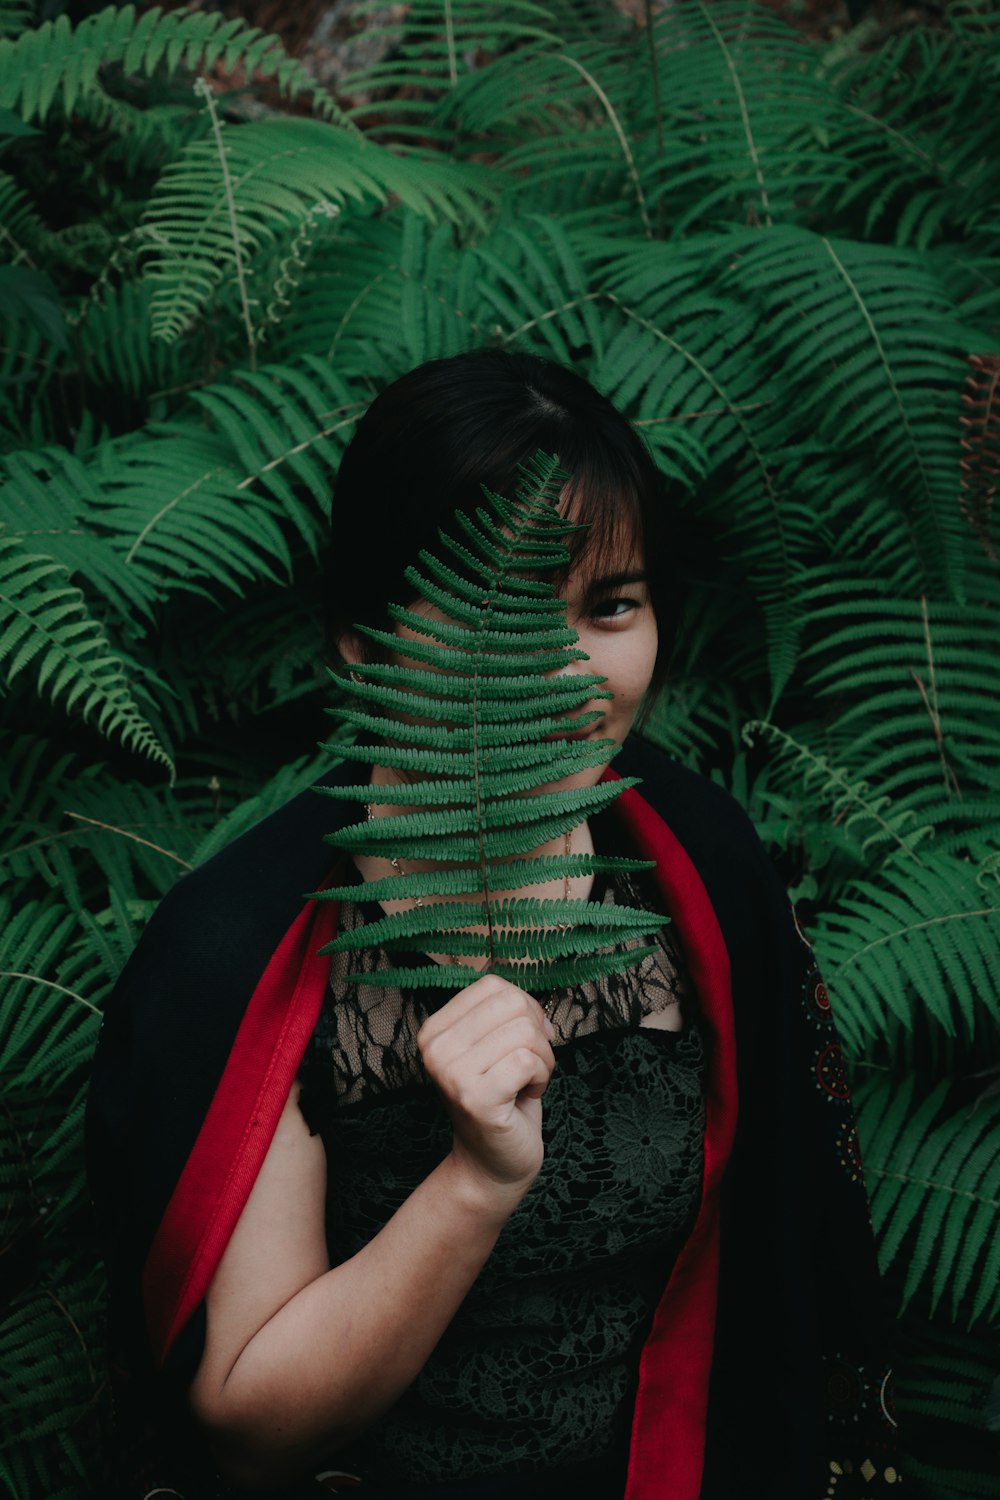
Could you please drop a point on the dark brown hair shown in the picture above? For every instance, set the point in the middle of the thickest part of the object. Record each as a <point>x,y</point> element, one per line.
<point>429,442</point>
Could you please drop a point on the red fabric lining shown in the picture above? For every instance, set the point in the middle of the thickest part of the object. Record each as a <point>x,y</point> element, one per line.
<point>668,1428</point>
<point>237,1130</point>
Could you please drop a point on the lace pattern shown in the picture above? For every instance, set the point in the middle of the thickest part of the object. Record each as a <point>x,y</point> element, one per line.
<point>538,1367</point>
<point>366,1041</point>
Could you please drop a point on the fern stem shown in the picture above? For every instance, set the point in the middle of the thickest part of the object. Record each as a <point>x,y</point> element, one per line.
<point>203,88</point>
<point>314,437</point>
<point>852,792</point>
<point>165,509</point>
<point>111,828</point>
<point>553,312</point>
<point>449,31</point>
<point>76,1329</point>
<point>49,984</point>
<point>932,705</point>
<point>709,411</point>
<point>931,1182</point>
<point>765,201</point>
<point>937,167</point>
<point>20,254</point>
<point>654,69</point>
<point>889,937</point>
<point>887,367</point>
<point>623,140</point>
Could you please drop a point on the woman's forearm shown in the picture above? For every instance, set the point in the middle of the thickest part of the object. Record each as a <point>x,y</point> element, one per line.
<point>340,1351</point>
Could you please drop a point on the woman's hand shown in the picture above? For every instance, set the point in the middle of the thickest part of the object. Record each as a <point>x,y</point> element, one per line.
<point>488,1052</point>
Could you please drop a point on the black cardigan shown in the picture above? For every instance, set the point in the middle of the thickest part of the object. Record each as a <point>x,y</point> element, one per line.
<point>797,1402</point>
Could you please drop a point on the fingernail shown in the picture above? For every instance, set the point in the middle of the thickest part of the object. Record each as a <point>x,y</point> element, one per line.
<point>549,1029</point>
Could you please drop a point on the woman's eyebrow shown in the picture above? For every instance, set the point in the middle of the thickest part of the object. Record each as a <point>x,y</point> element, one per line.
<point>607,581</point>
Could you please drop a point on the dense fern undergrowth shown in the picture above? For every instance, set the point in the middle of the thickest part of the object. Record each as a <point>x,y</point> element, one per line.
<point>779,259</point>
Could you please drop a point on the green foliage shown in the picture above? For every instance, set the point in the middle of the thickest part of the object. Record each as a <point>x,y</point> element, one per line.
<point>939,1178</point>
<point>779,259</point>
<point>46,626</point>
<point>483,706</point>
<point>57,65</point>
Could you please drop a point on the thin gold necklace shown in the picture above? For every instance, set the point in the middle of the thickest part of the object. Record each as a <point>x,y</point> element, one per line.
<point>397,867</point>
<point>419,900</point>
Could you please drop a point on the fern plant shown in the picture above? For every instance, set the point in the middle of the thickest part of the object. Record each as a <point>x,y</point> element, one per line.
<point>777,257</point>
<point>475,720</point>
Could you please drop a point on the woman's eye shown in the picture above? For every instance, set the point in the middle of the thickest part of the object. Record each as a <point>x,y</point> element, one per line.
<point>613,609</point>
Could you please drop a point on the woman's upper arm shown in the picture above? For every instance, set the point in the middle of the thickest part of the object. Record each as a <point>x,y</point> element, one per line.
<point>277,1248</point>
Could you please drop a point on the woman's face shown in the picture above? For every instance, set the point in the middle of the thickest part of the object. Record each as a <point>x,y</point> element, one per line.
<point>608,605</point>
<point>610,611</point>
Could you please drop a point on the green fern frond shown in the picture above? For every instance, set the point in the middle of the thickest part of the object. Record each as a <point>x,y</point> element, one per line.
<point>23,231</point>
<point>948,1376</point>
<point>868,817</point>
<point>914,681</point>
<point>291,779</point>
<point>46,625</point>
<point>491,807</point>
<point>889,374</point>
<point>45,1026</point>
<point>914,949</point>
<point>287,427</point>
<point>683,354</point>
<point>934,1182</point>
<point>16,16</point>
<point>188,507</point>
<point>744,111</point>
<point>116,348</point>
<point>60,64</point>
<point>428,52</point>
<point>913,133</point>
<point>50,1339</point>
<point>224,198</point>
<point>385,294</point>
<point>49,500</point>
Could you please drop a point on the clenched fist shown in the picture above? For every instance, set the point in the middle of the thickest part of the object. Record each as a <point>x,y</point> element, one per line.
<point>489,1053</point>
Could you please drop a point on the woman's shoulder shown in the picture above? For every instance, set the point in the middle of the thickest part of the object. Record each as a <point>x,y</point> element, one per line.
<point>260,878</point>
<point>745,892</point>
<point>702,814</point>
<point>216,929</point>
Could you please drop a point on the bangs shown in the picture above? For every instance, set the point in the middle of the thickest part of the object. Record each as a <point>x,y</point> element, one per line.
<point>614,533</point>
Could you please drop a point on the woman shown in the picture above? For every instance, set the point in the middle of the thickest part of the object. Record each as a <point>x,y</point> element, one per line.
<point>610,1242</point>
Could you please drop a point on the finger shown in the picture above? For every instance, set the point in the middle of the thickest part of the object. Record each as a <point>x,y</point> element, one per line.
<point>446,1035</point>
<point>512,1035</point>
<point>460,1078</point>
<point>518,1074</point>
<point>465,1002</point>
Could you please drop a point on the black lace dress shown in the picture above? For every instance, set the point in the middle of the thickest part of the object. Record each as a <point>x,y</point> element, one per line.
<point>537,1371</point>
